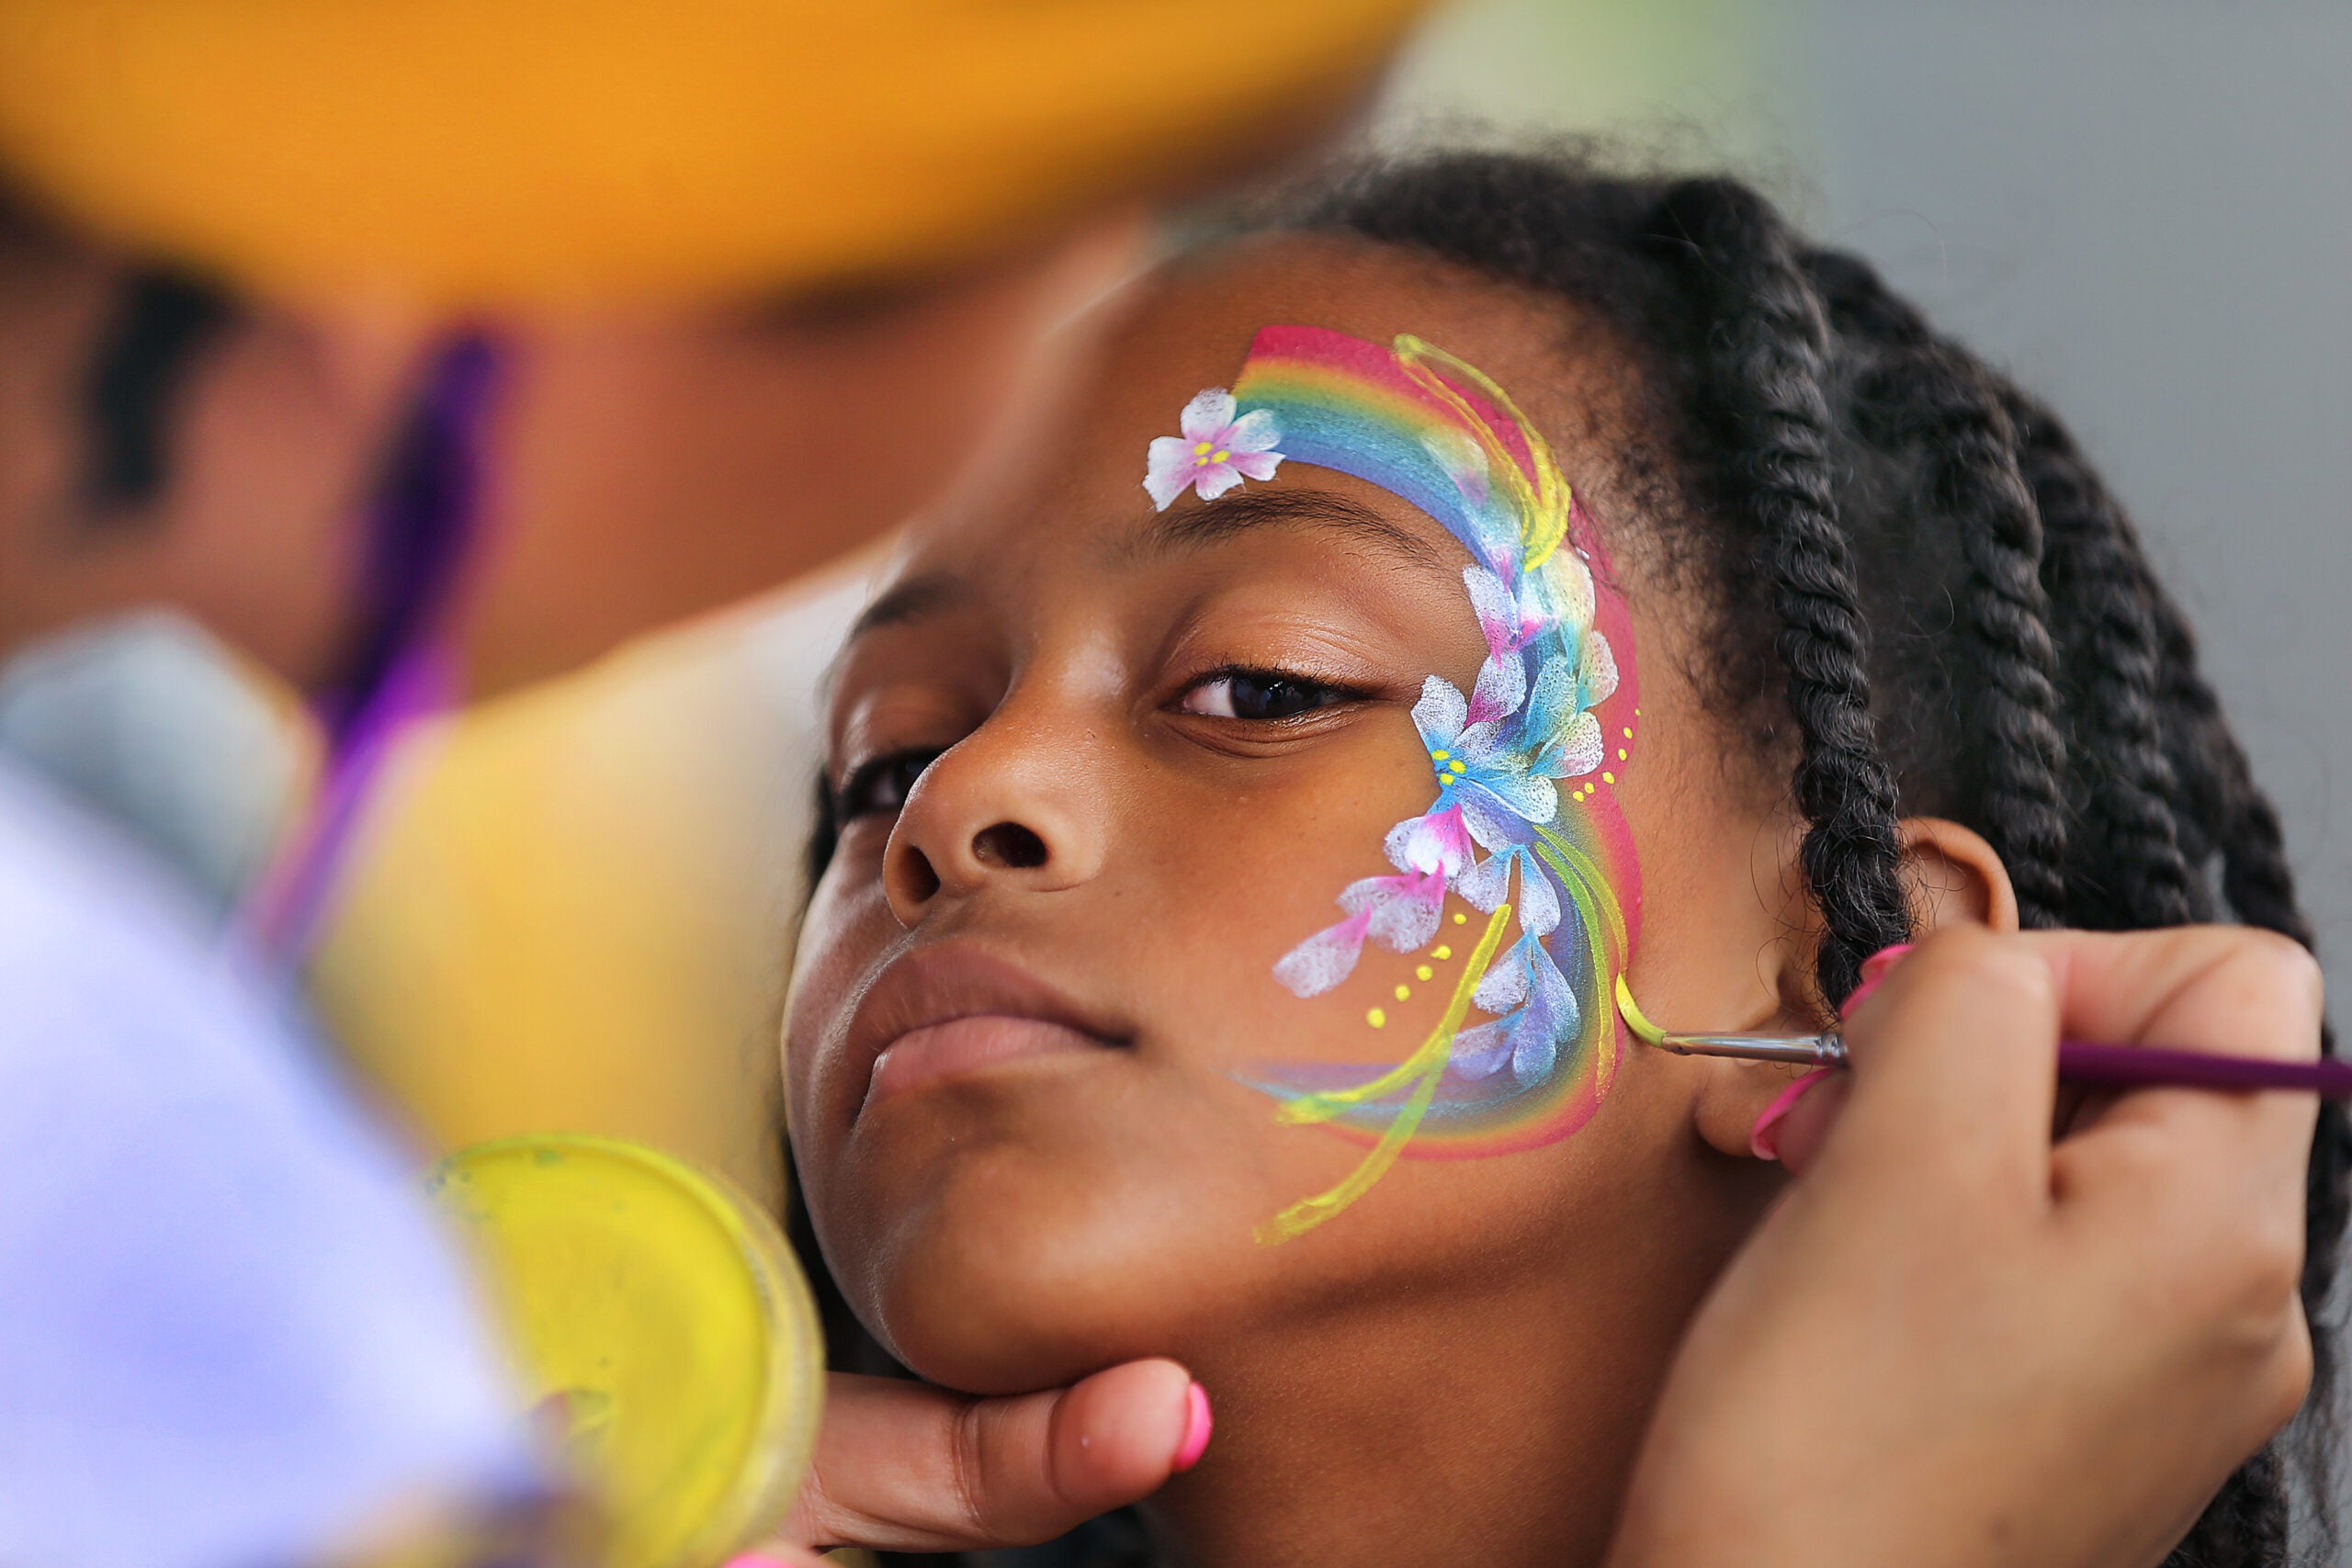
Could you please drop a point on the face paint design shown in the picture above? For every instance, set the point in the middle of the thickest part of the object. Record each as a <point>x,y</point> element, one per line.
<point>1524,827</point>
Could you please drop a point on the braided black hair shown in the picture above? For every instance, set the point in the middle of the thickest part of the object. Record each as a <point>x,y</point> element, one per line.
<point>1965,623</point>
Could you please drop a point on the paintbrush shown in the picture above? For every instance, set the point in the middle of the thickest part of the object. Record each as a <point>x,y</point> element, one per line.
<point>2079,1061</point>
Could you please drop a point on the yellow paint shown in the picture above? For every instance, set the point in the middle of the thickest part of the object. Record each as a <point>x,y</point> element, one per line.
<point>1422,1069</point>
<point>1423,972</point>
<point>1376,1018</point>
<point>1608,778</point>
<point>661,1319</point>
<point>1443,952</point>
<point>1642,1027</point>
<point>1460,919</point>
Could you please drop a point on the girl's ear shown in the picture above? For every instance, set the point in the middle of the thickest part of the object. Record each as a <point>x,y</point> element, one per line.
<point>1954,878</point>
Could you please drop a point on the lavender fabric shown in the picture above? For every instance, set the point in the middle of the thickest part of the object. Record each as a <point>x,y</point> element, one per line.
<point>229,1329</point>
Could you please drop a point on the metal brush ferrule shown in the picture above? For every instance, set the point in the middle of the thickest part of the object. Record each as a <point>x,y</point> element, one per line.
<point>1804,1050</point>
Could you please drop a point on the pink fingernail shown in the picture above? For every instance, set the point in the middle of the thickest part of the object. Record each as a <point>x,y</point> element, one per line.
<point>1198,1424</point>
<point>1763,1139</point>
<point>1875,969</point>
<point>757,1560</point>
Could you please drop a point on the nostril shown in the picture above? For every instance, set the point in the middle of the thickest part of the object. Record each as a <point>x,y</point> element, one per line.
<point>1009,845</point>
<point>917,880</point>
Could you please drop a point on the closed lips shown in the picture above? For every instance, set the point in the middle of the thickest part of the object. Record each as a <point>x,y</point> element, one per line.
<point>943,1012</point>
<point>938,1052</point>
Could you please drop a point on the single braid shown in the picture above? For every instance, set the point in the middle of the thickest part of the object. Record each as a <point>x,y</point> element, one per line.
<point>2138,875</point>
<point>1767,362</point>
<point>1924,393</point>
<point>1936,398</point>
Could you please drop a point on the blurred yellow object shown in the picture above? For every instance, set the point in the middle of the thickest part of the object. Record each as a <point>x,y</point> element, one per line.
<point>574,906</point>
<point>467,151</point>
<point>665,1333</point>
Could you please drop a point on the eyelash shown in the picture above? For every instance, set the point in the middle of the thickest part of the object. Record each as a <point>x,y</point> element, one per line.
<point>883,783</point>
<point>895,772</point>
<point>1327,693</point>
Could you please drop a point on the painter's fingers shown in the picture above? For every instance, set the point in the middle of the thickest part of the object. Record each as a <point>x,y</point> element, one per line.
<point>2224,989</point>
<point>2174,1158</point>
<point>1963,1036</point>
<point>905,1466</point>
<point>2210,1185</point>
<point>1798,1138</point>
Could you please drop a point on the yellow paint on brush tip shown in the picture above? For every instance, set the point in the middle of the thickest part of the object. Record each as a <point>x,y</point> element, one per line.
<point>1644,1029</point>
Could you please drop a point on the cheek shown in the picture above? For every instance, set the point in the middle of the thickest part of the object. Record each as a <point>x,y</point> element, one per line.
<point>1256,873</point>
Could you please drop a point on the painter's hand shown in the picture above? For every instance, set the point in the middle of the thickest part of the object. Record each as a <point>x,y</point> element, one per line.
<point>905,1466</point>
<point>1956,1343</point>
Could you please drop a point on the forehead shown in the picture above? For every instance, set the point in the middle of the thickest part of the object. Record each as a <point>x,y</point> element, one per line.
<point>1076,477</point>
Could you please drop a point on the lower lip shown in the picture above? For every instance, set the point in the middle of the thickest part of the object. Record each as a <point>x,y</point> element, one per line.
<point>965,1045</point>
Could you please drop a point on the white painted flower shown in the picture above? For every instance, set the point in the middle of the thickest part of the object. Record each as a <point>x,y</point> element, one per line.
<point>1215,452</point>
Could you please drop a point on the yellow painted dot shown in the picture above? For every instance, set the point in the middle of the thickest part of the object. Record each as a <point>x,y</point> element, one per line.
<point>1203,449</point>
<point>1376,1018</point>
<point>1620,753</point>
<point>1423,972</point>
<point>1609,778</point>
<point>1460,919</point>
<point>1443,953</point>
<point>1459,767</point>
<point>1629,735</point>
<point>1403,993</point>
<point>1220,457</point>
<point>1440,756</point>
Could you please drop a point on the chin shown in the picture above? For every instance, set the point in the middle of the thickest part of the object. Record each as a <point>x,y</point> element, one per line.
<point>1010,1280</point>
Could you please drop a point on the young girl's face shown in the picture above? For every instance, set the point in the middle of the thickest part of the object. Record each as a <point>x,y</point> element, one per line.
<point>1099,766</point>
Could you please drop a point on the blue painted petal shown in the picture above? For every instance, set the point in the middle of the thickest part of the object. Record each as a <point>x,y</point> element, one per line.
<point>1487,883</point>
<point>1502,685</point>
<point>1253,432</point>
<point>1524,795</point>
<point>1532,1050</point>
<point>1596,674</point>
<point>1539,901</point>
<point>1478,1052</point>
<point>1505,985</point>
<point>1441,713</point>
<point>1490,826</point>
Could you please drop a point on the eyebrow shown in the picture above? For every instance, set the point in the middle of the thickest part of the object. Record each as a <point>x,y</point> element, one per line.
<point>1230,515</point>
<point>910,600</point>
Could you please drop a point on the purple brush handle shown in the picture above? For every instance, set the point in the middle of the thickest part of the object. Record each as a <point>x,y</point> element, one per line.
<point>2081,1061</point>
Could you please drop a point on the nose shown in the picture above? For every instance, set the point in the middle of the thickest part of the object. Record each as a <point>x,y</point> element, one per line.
<point>1009,808</point>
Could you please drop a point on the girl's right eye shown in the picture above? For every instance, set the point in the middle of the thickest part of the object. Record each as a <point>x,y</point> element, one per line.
<point>1261,694</point>
<point>880,786</point>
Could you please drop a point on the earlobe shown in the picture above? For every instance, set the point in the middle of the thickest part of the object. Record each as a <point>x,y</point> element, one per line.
<point>1954,878</point>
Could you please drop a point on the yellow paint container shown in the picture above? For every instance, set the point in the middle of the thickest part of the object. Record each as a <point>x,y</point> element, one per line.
<point>663,1335</point>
